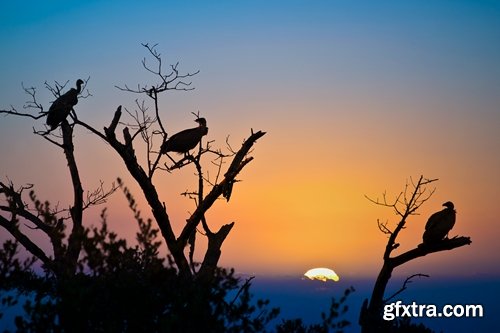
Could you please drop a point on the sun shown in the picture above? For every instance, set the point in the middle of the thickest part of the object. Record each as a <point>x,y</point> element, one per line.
<point>322,274</point>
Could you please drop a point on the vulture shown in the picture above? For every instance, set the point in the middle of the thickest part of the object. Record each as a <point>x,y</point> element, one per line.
<point>439,224</point>
<point>60,109</point>
<point>185,140</point>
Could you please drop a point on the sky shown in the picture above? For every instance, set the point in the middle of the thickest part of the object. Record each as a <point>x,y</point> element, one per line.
<point>356,97</point>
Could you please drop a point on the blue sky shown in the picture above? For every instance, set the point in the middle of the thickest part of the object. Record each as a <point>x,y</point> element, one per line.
<point>356,96</point>
<point>381,91</point>
<point>371,93</point>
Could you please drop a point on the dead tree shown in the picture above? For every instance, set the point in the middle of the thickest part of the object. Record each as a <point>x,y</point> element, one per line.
<point>151,130</point>
<point>404,205</point>
<point>50,221</point>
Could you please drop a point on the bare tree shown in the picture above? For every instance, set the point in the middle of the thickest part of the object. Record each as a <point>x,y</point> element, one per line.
<point>50,221</point>
<point>406,204</point>
<point>150,129</point>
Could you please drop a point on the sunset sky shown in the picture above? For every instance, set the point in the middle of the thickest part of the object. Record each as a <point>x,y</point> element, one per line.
<point>356,97</point>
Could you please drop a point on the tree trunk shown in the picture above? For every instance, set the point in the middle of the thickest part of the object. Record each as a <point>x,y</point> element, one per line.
<point>370,317</point>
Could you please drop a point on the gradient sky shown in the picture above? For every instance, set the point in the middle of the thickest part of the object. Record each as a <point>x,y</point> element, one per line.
<point>355,96</point>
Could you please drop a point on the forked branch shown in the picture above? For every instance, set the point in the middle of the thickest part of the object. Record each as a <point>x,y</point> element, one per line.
<point>405,286</point>
<point>406,204</point>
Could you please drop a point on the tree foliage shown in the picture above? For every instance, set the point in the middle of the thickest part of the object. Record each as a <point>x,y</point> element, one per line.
<point>122,288</point>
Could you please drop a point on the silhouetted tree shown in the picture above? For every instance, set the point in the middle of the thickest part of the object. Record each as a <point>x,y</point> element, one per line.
<point>331,322</point>
<point>64,227</point>
<point>148,128</point>
<point>404,205</point>
<point>90,279</point>
<point>123,288</point>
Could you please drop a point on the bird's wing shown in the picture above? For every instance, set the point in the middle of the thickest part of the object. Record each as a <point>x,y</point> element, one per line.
<point>179,135</point>
<point>181,141</point>
<point>57,104</point>
<point>433,220</point>
<point>449,222</point>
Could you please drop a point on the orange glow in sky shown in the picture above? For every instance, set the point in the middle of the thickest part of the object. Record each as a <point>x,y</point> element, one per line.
<point>352,104</point>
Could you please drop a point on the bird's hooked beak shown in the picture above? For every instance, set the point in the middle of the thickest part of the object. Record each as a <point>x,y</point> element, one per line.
<point>449,204</point>
<point>79,84</point>
<point>202,122</point>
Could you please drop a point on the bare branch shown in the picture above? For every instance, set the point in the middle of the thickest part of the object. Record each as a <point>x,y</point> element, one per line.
<point>169,81</point>
<point>12,228</point>
<point>99,196</point>
<point>406,204</point>
<point>32,103</point>
<point>236,166</point>
<point>126,152</point>
<point>424,249</point>
<point>382,226</point>
<point>243,287</point>
<point>17,207</point>
<point>405,285</point>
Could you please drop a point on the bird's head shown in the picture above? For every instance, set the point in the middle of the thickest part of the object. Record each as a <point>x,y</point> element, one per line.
<point>79,83</point>
<point>202,122</point>
<point>449,204</point>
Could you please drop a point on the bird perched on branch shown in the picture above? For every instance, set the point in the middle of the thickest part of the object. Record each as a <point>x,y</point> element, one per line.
<point>439,224</point>
<point>60,109</point>
<point>185,140</point>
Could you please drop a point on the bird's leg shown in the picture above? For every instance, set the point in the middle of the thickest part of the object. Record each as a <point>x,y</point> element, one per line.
<point>189,157</point>
<point>73,114</point>
<point>173,161</point>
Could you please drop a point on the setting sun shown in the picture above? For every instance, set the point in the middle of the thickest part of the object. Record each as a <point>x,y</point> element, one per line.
<point>322,274</point>
<point>160,156</point>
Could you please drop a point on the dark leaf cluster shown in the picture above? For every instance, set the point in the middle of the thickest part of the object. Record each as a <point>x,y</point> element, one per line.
<point>124,288</point>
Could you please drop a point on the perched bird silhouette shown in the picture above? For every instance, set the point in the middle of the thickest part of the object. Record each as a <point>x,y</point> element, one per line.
<point>60,109</point>
<point>439,224</point>
<point>185,140</point>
